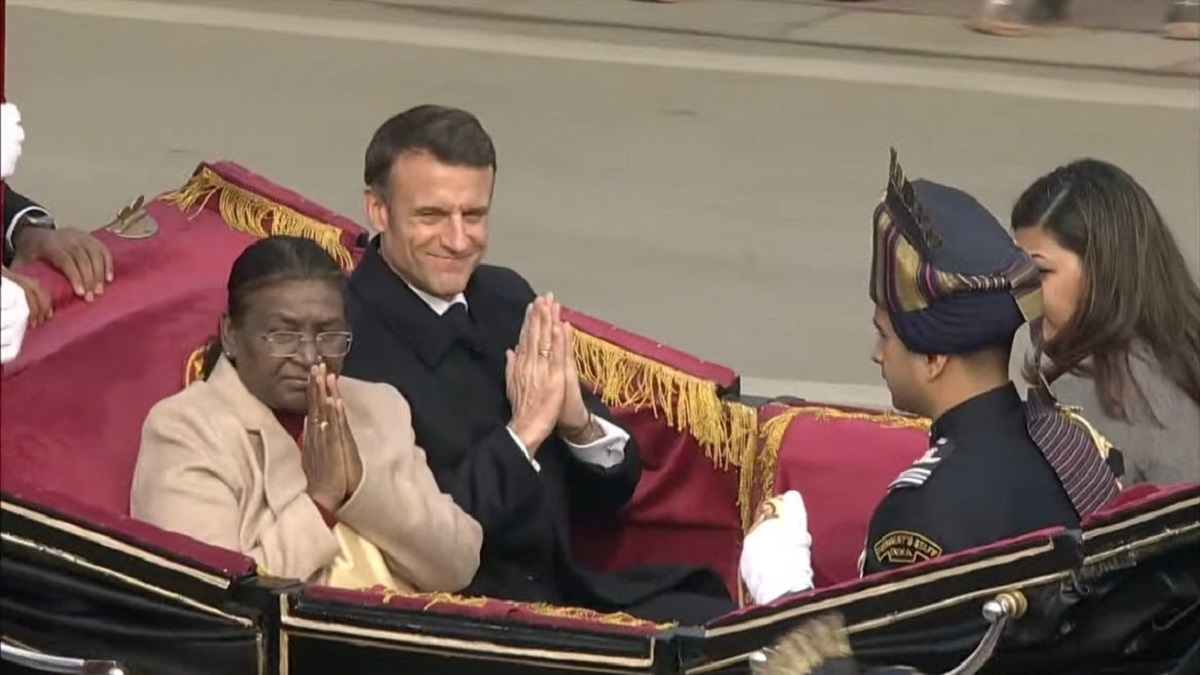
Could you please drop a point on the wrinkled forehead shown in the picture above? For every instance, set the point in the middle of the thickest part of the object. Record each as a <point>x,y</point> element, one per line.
<point>295,302</point>
<point>421,177</point>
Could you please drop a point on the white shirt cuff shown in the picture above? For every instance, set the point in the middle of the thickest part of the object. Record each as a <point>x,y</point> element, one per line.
<point>11,225</point>
<point>524,450</point>
<point>605,452</point>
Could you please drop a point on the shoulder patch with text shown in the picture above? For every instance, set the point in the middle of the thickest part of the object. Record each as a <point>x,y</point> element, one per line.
<point>903,547</point>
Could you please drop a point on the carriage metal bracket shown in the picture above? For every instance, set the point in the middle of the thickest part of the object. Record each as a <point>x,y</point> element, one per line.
<point>47,663</point>
<point>999,611</point>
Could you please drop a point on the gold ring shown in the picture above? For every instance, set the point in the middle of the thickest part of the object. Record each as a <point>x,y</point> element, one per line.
<point>323,425</point>
<point>544,352</point>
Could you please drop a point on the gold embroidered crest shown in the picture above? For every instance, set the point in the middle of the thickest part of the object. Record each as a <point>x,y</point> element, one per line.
<point>904,547</point>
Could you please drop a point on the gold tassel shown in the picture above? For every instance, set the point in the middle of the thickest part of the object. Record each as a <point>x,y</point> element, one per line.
<point>804,649</point>
<point>773,431</point>
<point>256,215</point>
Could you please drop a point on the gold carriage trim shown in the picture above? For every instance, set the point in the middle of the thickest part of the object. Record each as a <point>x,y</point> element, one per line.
<point>688,403</point>
<point>256,215</point>
<point>774,429</point>
<point>544,609</point>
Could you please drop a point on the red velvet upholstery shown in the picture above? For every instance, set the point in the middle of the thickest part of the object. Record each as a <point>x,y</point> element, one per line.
<point>685,507</point>
<point>1137,497</point>
<point>841,460</point>
<point>683,511</point>
<point>74,401</point>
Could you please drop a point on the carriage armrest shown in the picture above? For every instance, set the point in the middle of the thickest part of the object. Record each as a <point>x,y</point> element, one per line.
<point>51,517</point>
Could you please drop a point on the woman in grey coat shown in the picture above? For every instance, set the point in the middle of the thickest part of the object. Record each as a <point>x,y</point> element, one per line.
<point>1121,329</point>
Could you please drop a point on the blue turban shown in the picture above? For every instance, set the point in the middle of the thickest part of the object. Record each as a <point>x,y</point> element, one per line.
<point>949,275</point>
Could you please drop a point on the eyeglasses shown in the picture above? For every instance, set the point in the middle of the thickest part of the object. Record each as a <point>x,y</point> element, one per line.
<point>284,344</point>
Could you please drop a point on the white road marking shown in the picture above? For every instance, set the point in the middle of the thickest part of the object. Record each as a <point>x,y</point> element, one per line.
<point>881,73</point>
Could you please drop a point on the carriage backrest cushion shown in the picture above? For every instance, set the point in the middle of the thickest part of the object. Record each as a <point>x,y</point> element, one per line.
<point>841,460</point>
<point>685,509</point>
<point>74,402</point>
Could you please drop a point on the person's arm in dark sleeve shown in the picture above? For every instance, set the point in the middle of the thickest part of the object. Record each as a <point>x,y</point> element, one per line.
<point>16,206</point>
<point>603,474</point>
<point>497,484</point>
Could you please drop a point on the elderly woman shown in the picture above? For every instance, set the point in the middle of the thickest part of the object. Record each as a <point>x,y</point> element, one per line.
<point>315,476</point>
<point>1122,315</point>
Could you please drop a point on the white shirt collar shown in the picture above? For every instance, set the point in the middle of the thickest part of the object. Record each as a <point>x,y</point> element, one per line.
<point>438,305</point>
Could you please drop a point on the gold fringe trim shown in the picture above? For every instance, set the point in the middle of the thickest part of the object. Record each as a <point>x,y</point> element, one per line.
<point>254,214</point>
<point>772,434</point>
<point>688,403</point>
<point>544,609</point>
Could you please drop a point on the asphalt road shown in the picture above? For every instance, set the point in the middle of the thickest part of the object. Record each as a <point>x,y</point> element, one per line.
<point>718,201</point>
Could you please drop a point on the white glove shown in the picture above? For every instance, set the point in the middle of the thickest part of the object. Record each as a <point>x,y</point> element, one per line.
<point>14,315</point>
<point>12,135</point>
<point>777,554</point>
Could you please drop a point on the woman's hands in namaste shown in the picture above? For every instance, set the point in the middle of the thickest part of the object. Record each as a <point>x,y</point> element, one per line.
<point>330,458</point>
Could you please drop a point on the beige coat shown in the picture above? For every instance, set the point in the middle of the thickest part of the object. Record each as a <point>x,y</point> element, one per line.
<point>215,464</point>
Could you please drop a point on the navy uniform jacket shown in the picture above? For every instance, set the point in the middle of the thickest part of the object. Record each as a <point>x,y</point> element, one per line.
<point>983,480</point>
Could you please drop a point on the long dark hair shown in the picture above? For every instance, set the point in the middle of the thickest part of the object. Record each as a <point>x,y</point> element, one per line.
<point>266,262</point>
<point>1137,285</point>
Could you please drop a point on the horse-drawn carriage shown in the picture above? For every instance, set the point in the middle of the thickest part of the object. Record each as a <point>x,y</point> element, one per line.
<point>87,588</point>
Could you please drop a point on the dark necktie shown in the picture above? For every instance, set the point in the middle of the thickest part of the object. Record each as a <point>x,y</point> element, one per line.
<point>458,318</point>
<point>460,322</point>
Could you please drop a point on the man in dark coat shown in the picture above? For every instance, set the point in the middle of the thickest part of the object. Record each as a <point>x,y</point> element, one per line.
<point>486,367</point>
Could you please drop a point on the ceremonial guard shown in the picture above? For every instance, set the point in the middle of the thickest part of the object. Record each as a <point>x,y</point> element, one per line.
<point>950,289</point>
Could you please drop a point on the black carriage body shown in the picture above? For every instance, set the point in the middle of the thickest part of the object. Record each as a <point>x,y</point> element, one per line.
<point>1122,596</point>
<point>68,586</point>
